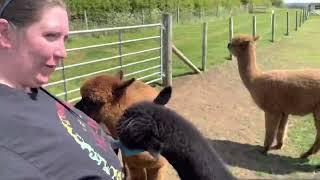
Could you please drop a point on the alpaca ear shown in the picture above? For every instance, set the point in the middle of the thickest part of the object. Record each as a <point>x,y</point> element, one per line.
<point>122,87</point>
<point>120,74</point>
<point>164,96</point>
<point>256,38</point>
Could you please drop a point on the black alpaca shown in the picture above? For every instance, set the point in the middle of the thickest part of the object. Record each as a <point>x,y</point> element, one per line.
<point>157,129</point>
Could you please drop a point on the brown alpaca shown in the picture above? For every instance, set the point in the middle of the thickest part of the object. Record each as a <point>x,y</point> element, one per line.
<point>278,93</point>
<point>104,99</point>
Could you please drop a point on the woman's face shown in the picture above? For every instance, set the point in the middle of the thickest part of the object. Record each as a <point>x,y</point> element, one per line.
<point>39,47</point>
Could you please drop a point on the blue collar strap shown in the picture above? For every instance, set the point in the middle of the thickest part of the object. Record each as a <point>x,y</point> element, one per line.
<point>5,4</point>
<point>126,151</point>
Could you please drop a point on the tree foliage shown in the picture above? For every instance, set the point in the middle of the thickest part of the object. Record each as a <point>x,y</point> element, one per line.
<point>99,9</point>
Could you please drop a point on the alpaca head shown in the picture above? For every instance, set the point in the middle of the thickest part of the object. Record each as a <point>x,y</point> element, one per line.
<point>138,128</point>
<point>103,91</point>
<point>241,44</point>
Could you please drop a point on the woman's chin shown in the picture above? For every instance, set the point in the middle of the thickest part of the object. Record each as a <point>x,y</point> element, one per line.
<point>42,80</point>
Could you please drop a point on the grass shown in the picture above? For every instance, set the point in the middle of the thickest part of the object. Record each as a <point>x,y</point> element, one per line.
<point>187,37</point>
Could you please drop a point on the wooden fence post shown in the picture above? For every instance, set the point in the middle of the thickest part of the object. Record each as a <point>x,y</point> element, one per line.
<point>230,32</point>
<point>288,23</point>
<point>167,49</point>
<point>180,55</point>
<point>120,48</point>
<point>273,27</point>
<point>142,17</point>
<point>204,46</point>
<point>296,20</point>
<point>254,25</point>
<point>300,19</point>
<point>307,14</point>
<point>303,16</point>
<point>86,20</point>
<point>178,14</point>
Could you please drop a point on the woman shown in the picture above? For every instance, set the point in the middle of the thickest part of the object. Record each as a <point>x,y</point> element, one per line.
<point>41,137</point>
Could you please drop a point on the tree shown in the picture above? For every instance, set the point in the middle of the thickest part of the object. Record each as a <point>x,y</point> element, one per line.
<point>165,5</point>
<point>245,2</point>
<point>277,3</point>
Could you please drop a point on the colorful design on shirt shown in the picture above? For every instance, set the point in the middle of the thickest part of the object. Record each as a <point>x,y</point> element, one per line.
<point>94,131</point>
<point>108,169</point>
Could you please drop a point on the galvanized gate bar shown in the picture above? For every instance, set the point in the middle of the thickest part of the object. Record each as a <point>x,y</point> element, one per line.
<point>114,29</point>
<point>112,43</point>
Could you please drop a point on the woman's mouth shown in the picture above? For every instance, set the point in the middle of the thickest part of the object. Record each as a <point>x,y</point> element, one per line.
<point>51,66</point>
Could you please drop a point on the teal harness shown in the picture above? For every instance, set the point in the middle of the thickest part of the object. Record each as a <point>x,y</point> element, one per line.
<point>126,151</point>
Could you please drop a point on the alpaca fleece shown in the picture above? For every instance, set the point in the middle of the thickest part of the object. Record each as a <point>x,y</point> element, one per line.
<point>104,98</point>
<point>157,129</point>
<point>278,93</point>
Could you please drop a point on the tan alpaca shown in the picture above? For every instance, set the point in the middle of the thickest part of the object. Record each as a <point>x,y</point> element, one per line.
<point>105,98</point>
<point>278,93</point>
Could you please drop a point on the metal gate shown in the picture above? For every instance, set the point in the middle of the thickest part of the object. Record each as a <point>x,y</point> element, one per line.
<point>64,87</point>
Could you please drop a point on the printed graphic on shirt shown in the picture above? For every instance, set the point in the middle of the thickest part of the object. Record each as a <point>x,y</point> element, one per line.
<point>95,156</point>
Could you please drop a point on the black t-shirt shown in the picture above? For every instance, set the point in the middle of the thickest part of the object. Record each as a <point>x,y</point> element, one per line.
<point>41,139</point>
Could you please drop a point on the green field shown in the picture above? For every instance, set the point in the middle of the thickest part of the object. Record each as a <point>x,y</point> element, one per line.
<point>187,37</point>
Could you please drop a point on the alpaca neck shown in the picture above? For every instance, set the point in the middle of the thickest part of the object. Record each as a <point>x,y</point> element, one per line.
<point>247,66</point>
<point>186,166</point>
<point>195,160</point>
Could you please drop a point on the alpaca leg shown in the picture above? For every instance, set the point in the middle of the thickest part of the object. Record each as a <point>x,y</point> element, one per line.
<point>137,174</point>
<point>157,172</point>
<point>282,131</point>
<point>125,170</point>
<point>272,121</point>
<point>316,145</point>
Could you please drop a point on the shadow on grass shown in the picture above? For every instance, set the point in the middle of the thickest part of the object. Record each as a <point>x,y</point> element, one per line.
<point>248,156</point>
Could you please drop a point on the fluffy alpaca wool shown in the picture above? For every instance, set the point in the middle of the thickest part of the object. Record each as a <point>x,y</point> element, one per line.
<point>278,93</point>
<point>104,98</point>
<point>157,129</point>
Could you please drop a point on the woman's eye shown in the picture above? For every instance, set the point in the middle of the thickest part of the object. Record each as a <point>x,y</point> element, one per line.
<point>51,36</point>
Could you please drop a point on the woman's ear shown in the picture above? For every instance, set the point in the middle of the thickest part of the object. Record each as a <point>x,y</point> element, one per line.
<point>5,39</point>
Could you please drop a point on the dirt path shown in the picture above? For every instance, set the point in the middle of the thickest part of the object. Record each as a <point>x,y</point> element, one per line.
<point>219,105</point>
<point>221,108</point>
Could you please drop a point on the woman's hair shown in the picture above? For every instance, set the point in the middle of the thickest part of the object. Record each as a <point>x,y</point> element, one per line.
<point>23,13</point>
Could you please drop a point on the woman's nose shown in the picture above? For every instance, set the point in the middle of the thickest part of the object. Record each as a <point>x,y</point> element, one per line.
<point>61,51</point>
